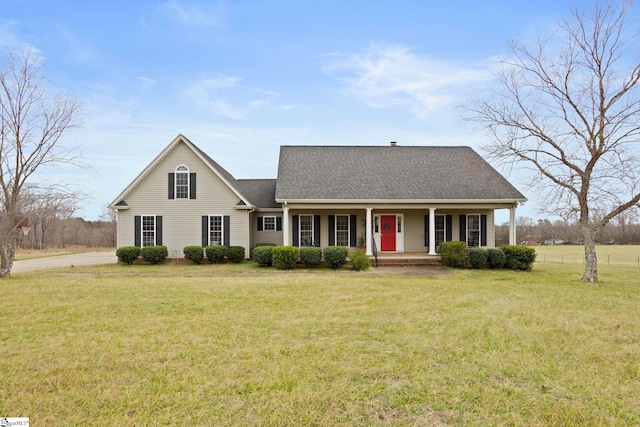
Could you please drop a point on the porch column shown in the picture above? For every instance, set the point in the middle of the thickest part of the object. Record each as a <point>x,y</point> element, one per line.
<point>285,224</point>
<point>368,232</point>
<point>432,231</point>
<point>512,225</point>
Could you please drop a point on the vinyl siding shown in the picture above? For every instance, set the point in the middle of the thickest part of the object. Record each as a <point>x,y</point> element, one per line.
<point>182,217</point>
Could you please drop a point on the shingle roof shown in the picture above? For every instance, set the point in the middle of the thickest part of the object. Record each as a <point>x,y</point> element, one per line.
<point>388,173</point>
<point>259,192</point>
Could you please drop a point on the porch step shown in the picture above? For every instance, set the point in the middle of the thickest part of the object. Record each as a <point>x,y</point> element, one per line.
<point>406,262</point>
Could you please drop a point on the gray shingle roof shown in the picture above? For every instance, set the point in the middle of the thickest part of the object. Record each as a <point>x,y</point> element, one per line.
<point>260,192</point>
<point>388,173</point>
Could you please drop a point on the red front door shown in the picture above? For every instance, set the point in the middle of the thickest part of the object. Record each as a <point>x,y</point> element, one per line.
<point>388,233</point>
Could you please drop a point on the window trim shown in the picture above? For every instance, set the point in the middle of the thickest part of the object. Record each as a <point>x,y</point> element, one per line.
<point>479,229</point>
<point>182,195</point>
<point>209,230</point>
<point>264,223</point>
<point>348,230</point>
<point>313,237</point>
<point>154,231</point>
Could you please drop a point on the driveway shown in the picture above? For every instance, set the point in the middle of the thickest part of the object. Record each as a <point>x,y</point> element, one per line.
<point>86,258</point>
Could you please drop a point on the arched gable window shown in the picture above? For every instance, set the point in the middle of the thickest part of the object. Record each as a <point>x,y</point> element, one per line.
<point>182,183</point>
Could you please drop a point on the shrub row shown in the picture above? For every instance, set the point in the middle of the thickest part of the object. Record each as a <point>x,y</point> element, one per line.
<point>157,254</point>
<point>286,257</point>
<point>152,254</point>
<point>456,255</point>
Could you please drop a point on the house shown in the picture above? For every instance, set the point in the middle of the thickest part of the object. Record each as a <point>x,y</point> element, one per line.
<point>395,199</point>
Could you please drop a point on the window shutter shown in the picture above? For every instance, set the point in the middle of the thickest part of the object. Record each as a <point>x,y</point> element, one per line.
<point>332,230</point>
<point>226,225</point>
<point>463,228</point>
<point>483,230</point>
<point>205,231</point>
<point>137,231</point>
<point>278,223</point>
<point>192,185</point>
<point>260,223</point>
<point>426,230</point>
<point>172,186</point>
<point>158,230</point>
<point>448,225</point>
<point>316,230</point>
<point>295,227</point>
<point>353,239</point>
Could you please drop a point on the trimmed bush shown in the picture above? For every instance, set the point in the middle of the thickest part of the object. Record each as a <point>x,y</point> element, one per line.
<point>128,254</point>
<point>154,254</point>
<point>496,258</point>
<point>215,253</point>
<point>336,256</point>
<point>478,257</point>
<point>454,254</point>
<point>235,253</point>
<point>311,256</point>
<point>194,253</point>
<point>263,255</point>
<point>261,244</point>
<point>359,260</point>
<point>519,257</point>
<point>285,257</point>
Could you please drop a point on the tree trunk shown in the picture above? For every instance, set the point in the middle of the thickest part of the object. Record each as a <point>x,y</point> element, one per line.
<point>590,258</point>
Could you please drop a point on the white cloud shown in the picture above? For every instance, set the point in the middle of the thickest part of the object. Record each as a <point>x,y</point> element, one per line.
<point>192,14</point>
<point>390,75</point>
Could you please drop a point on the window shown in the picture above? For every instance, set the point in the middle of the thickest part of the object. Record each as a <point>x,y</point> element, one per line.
<point>269,223</point>
<point>306,230</point>
<point>342,230</point>
<point>216,231</point>
<point>441,231</point>
<point>473,231</point>
<point>148,230</point>
<point>182,182</point>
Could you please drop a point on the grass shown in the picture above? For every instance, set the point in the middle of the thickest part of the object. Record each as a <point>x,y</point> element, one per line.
<point>574,254</point>
<point>237,345</point>
<point>22,253</point>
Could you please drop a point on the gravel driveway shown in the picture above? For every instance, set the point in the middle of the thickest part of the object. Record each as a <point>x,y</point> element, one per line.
<point>86,258</point>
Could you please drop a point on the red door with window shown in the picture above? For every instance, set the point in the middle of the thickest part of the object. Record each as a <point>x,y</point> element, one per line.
<point>388,233</point>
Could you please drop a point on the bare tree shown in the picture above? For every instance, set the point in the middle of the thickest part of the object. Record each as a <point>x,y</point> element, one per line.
<point>32,123</point>
<point>568,109</point>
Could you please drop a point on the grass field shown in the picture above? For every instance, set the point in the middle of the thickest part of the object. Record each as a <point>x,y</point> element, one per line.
<point>236,345</point>
<point>574,254</point>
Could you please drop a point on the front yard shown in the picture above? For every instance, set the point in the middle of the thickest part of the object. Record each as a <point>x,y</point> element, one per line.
<point>236,345</point>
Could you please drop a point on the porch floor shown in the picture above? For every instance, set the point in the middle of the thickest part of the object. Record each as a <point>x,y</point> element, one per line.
<point>395,259</point>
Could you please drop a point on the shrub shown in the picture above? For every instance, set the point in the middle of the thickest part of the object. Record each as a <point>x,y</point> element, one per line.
<point>336,256</point>
<point>454,254</point>
<point>215,253</point>
<point>128,254</point>
<point>285,257</point>
<point>263,255</point>
<point>262,244</point>
<point>311,256</point>
<point>519,257</point>
<point>194,253</point>
<point>359,260</point>
<point>154,254</point>
<point>235,253</point>
<point>496,258</point>
<point>478,257</point>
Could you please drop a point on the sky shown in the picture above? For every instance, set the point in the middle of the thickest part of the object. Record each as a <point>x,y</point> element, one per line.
<point>241,78</point>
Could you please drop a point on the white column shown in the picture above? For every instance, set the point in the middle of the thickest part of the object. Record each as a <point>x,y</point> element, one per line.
<point>432,231</point>
<point>285,225</point>
<point>512,225</point>
<point>368,232</point>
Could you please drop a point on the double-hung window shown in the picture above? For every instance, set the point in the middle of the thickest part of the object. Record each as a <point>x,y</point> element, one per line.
<point>148,230</point>
<point>269,223</point>
<point>216,230</point>
<point>182,182</point>
<point>473,231</point>
<point>306,230</point>
<point>441,229</point>
<point>342,230</point>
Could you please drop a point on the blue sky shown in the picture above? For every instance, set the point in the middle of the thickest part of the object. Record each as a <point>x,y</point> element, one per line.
<point>241,78</point>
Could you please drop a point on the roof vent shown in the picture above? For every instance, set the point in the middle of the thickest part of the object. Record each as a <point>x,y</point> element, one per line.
<point>393,143</point>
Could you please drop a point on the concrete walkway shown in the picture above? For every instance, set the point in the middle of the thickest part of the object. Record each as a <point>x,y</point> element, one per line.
<point>85,258</point>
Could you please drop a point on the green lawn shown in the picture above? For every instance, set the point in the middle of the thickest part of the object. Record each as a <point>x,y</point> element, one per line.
<point>574,254</point>
<point>236,345</point>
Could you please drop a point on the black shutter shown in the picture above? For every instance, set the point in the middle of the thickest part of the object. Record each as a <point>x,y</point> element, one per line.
<point>260,223</point>
<point>226,225</point>
<point>192,185</point>
<point>426,230</point>
<point>137,231</point>
<point>332,230</point>
<point>172,187</point>
<point>294,224</point>
<point>278,223</point>
<point>205,231</point>
<point>483,230</point>
<point>463,228</point>
<point>353,239</point>
<point>448,225</point>
<point>316,230</point>
<point>158,230</point>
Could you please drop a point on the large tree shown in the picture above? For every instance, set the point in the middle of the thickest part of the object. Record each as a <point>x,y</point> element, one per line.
<point>32,123</point>
<point>567,109</point>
